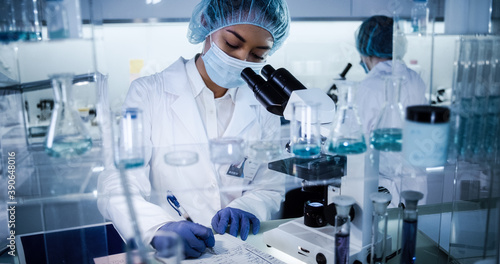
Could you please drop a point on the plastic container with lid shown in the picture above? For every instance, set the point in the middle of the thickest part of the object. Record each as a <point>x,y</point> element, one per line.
<point>425,135</point>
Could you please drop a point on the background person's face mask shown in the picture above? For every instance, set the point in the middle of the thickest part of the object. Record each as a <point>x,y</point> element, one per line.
<point>225,70</point>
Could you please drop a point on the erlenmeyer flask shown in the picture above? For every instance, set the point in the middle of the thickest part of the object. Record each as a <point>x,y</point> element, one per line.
<point>347,135</point>
<point>387,135</point>
<point>66,136</point>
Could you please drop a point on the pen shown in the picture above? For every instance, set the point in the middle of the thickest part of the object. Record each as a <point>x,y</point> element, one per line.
<point>172,200</point>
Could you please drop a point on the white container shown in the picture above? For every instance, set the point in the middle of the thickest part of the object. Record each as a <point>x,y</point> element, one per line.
<point>425,135</point>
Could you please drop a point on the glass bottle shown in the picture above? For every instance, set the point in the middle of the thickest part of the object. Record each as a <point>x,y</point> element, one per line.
<point>387,135</point>
<point>347,135</point>
<point>410,217</point>
<point>379,226</point>
<point>66,135</point>
<point>343,205</point>
<point>419,16</point>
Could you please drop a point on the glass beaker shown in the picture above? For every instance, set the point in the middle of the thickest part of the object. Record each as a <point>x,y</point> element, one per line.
<point>66,135</point>
<point>128,138</point>
<point>387,135</point>
<point>305,136</point>
<point>347,135</point>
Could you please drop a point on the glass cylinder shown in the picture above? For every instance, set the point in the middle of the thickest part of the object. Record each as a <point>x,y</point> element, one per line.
<point>425,135</point>
<point>128,138</point>
<point>387,135</point>
<point>343,205</point>
<point>379,226</point>
<point>347,135</point>
<point>67,136</point>
<point>305,136</point>
<point>410,220</point>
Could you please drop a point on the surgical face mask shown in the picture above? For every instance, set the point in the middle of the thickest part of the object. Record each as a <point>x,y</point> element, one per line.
<point>363,64</point>
<point>225,70</point>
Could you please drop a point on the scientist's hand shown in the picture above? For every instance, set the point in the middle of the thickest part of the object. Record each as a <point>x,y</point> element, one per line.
<point>195,236</point>
<point>238,220</point>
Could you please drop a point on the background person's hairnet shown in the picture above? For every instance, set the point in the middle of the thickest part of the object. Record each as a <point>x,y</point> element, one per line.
<point>212,15</point>
<point>374,38</point>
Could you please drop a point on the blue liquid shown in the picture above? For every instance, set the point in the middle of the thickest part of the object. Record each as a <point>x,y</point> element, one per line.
<point>341,249</point>
<point>306,150</point>
<point>387,139</point>
<point>409,242</point>
<point>131,163</point>
<point>347,146</point>
<point>66,147</point>
<point>19,35</point>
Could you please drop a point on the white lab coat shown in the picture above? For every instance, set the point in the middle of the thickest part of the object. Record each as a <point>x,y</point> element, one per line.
<point>171,117</point>
<point>370,99</point>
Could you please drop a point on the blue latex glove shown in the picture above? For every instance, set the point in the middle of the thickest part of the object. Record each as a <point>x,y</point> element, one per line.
<point>238,220</point>
<point>195,236</point>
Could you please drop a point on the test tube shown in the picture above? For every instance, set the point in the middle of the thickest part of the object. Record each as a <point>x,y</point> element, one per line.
<point>379,226</point>
<point>343,205</point>
<point>410,217</point>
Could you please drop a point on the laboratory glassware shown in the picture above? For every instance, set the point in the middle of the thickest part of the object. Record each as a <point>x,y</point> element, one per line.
<point>343,204</point>
<point>480,99</point>
<point>493,112</point>
<point>19,20</point>
<point>128,138</point>
<point>419,16</point>
<point>66,136</point>
<point>227,150</point>
<point>410,219</point>
<point>347,135</point>
<point>379,226</point>
<point>305,136</point>
<point>387,135</point>
<point>63,19</point>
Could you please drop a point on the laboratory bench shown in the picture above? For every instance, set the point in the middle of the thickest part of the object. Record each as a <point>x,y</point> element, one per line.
<point>102,239</point>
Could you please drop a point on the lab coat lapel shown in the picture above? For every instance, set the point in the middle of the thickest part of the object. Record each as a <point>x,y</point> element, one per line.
<point>244,113</point>
<point>186,109</point>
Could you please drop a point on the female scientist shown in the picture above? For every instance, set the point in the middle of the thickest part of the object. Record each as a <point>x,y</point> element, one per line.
<point>189,103</point>
<point>374,42</point>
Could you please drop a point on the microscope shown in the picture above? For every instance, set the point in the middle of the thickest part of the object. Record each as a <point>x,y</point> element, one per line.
<point>309,238</point>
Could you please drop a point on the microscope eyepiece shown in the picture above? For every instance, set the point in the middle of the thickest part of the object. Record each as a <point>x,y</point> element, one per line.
<point>267,71</point>
<point>264,92</point>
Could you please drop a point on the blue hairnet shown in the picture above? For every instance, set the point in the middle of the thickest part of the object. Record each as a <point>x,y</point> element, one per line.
<point>374,37</point>
<point>212,15</point>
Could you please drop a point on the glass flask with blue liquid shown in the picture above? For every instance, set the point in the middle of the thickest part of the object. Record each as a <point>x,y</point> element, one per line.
<point>346,136</point>
<point>410,217</point>
<point>387,135</point>
<point>343,204</point>
<point>66,136</point>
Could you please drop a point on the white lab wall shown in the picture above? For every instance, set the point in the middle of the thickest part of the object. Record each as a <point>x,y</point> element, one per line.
<point>315,52</point>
